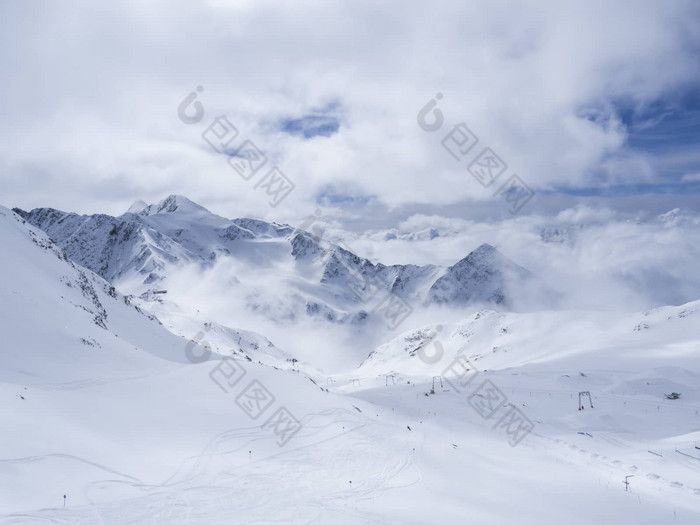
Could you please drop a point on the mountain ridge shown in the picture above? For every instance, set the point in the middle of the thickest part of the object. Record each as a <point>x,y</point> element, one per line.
<point>141,248</point>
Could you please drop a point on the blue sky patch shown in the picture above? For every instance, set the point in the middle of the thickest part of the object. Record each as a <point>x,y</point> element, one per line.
<point>310,126</point>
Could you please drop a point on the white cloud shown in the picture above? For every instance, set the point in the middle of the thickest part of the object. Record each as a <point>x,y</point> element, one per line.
<point>89,100</point>
<point>598,259</point>
<point>585,214</point>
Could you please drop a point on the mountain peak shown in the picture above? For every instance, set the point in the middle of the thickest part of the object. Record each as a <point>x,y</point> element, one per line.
<point>485,249</point>
<point>171,204</point>
<point>484,275</point>
<point>486,256</point>
<point>137,207</point>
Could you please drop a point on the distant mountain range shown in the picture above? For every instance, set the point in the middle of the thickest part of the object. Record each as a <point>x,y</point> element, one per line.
<point>137,251</point>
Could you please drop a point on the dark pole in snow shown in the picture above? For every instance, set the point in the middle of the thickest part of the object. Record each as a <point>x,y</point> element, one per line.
<point>627,483</point>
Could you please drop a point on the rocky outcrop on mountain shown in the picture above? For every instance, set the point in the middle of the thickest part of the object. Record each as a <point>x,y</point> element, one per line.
<point>112,247</point>
<point>485,275</point>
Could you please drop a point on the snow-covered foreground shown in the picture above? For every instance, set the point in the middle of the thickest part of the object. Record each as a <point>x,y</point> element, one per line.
<point>105,405</point>
<point>174,448</point>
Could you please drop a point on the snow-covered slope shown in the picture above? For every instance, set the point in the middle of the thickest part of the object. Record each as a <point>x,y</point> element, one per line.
<point>62,321</point>
<point>91,295</point>
<point>635,343</point>
<point>540,362</point>
<point>99,400</point>
<point>100,403</point>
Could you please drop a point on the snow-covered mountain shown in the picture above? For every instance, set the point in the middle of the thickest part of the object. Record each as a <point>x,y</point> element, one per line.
<point>109,246</point>
<point>49,298</point>
<point>106,405</point>
<point>484,275</point>
<point>174,231</point>
<point>89,312</point>
<point>139,250</point>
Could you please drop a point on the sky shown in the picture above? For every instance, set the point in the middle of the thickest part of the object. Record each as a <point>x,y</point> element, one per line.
<point>564,133</point>
<point>585,102</point>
